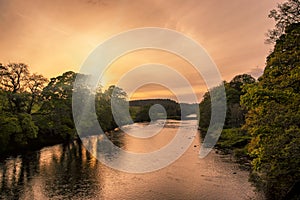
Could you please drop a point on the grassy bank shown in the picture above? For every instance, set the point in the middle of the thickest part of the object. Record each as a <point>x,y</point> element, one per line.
<point>233,141</point>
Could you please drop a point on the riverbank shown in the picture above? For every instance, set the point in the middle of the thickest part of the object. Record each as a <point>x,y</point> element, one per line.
<point>233,142</point>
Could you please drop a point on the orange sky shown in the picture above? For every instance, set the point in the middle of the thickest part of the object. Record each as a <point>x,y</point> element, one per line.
<point>55,36</point>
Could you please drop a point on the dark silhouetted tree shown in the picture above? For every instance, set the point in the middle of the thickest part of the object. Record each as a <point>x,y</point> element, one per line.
<point>286,14</point>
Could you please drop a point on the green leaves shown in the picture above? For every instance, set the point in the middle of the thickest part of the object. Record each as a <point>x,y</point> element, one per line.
<point>16,130</point>
<point>273,119</point>
<point>9,125</point>
<point>235,115</point>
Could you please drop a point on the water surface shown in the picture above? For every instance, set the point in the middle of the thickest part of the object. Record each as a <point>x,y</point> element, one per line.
<point>71,172</point>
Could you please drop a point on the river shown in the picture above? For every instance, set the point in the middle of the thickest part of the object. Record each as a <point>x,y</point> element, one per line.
<point>70,172</point>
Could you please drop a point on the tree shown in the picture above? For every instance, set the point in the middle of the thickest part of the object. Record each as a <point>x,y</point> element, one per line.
<point>104,109</point>
<point>60,87</point>
<point>205,111</point>
<point>235,114</point>
<point>55,119</point>
<point>240,80</point>
<point>14,78</point>
<point>9,125</point>
<point>143,114</point>
<point>286,14</point>
<point>28,132</point>
<point>21,88</point>
<point>140,109</point>
<point>273,119</point>
<point>19,91</point>
<point>36,83</point>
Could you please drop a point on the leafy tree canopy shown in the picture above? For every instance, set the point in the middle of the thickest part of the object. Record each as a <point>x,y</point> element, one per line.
<point>273,119</point>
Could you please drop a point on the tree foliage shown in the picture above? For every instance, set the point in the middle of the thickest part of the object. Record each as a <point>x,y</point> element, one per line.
<point>33,114</point>
<point>55,115</point>
<point>173,110</point>
<point>235,114</point>
<point>19,93</point>
<point>273,119</point>
<point>104,109</point>
<point>21,88</point>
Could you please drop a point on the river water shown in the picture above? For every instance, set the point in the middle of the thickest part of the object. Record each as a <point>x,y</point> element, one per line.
<point>71,172</point>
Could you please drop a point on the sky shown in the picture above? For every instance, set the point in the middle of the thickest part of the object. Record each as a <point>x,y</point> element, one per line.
<point>56,36</point>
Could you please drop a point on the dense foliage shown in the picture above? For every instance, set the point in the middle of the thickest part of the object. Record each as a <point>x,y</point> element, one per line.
<point>233,138</point>
<point>263,119</point>
<point>235,115</point>
<point>273,119</point>
<point>34,113</point>
<point>20,92</point>
<point>139,109</point>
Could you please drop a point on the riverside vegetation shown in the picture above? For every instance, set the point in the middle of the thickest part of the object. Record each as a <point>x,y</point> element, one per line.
<point>263,117</point>
<point>35,112</point>
<point>261,125</point>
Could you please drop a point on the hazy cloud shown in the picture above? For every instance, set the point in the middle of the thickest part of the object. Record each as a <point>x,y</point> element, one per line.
<point>55,36</point>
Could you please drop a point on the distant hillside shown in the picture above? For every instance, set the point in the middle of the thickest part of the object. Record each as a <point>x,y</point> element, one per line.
<point>146,102</point>
<point>139,109</point>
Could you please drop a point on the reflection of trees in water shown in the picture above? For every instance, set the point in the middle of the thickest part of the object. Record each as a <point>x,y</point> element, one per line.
<point>104,146</point>
<point>16,173</point>
<point>117,138</point>
<point>61,171</point>
<point>73,174</point>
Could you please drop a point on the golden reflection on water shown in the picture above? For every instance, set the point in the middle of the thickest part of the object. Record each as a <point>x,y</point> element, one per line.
<point>146,145</point>
<point>71,172</point>
<point>48,154</point>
